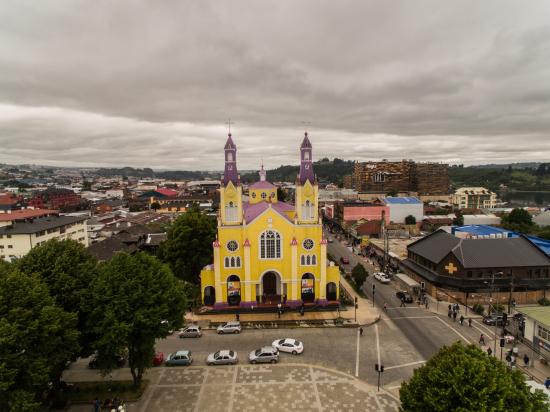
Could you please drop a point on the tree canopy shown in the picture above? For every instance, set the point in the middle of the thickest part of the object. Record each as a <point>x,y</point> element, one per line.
<point>68,269</point>
<point>464,378</point>
<point>359,275</point>
<point>410,220</point>
<point>132,296</point>
<point>188,247</point>
<point>37,339</point>
<point>519,220</point>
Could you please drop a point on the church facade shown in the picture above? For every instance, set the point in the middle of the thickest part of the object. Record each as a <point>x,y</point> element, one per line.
<point>268,251</point>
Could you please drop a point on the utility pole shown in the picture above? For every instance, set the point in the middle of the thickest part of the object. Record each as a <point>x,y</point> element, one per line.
<point>373,287</point>
<point>379,368</point>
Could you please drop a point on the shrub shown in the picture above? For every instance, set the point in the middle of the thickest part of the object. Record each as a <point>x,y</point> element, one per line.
<point>544,302</point>
<point>479,309</point>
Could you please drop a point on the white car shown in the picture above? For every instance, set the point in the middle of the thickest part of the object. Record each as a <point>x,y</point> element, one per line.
<point>382,277</point>
<point>222,357</point>
<point>288,345</point>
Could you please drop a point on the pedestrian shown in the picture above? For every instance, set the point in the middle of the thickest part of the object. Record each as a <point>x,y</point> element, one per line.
<point>470,322</point>
<point>482,339</point>
<point>385,307</point>
<point>547,382</point>
<point>450,307</point>
<point>449,313</point>
<point>454,316</point>
<point>279,306</point>
<point>301,311</point>
<point>97,404</point>
<point>237,316</point>
<point>489,351</point>
<point>284,299</point>
<point>279,312</point>
<point>461,320</point>
<point>402,303</point>
<point>525,360</point>
<point>360,331</point>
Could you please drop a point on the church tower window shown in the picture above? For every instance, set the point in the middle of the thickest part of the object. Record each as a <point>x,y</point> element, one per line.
<point>231,213</point>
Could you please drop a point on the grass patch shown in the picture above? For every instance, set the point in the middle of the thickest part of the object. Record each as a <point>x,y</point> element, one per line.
<point>86,392</point>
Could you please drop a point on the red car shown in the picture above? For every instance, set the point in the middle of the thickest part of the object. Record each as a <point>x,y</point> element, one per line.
<point>344,260</point>
<point>158,359</point>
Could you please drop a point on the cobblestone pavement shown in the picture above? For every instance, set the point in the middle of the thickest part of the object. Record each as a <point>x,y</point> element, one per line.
<point>296,387</point>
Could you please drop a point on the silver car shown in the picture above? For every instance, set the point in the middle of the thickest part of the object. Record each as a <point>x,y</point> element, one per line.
<point>192,331</point>
<point>230,327</point>
<point>222,357</point>
<point>267,354</point>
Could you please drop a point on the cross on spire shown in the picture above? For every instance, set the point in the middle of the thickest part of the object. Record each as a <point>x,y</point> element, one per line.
<point>228,123</point>
<point>306,124</point>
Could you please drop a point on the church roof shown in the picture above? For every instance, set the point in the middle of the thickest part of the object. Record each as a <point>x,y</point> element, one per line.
<point>262,185</point>
<point>252,211</point>
<point>305,142</point>
<point>229,143</point>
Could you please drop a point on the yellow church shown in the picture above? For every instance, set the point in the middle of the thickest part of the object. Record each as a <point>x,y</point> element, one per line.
<point>268,251</point>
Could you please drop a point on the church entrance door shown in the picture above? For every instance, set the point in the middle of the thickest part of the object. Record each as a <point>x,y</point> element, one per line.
<point>270,283</point>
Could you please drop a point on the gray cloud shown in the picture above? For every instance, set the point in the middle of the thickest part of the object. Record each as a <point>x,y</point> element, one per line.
<point>151,84</point>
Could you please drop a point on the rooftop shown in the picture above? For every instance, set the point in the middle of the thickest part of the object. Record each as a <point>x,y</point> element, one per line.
<point>40,224</point>
<point>539,313</point>
<point>403,201</point>
<point>26,214</point>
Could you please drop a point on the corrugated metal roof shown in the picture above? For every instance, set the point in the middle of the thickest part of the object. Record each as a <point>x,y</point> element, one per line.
<point>435,246</point>
<point>402,200</point>
<point>39,224</point>
<point>542,244</point>
<point>540,313</point>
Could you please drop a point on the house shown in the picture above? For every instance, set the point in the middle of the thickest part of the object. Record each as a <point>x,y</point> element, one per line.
<point>463,267</point>
<point>401,207</point>
<point>55,198</point>
<point>474,198</point>
<point>536,329</point>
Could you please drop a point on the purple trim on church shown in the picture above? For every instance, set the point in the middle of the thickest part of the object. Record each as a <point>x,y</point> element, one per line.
<point>294,303</point>
<point>221,305</point>
<point>230,173</point>
<point>306,162</point>
<point>248,305</point>
<point>322,302</point>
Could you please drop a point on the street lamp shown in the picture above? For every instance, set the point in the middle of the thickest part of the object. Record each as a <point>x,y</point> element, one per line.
<point>379,368</point>
<point>356,305</point>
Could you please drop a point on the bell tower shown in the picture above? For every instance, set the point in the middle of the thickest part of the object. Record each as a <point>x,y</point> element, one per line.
<point>231,207</point>
<point>307,189</point>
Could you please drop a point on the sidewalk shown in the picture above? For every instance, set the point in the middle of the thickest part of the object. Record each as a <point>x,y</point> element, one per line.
<point>366,314</point>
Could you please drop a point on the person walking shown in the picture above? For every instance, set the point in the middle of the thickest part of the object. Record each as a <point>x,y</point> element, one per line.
<point>547,382</point>
<point>279,313</point>
<point>489,351</point>
<point>482,340</point>
<point>237,316</point>
<point>385,307</point>
<point>96,404</point>
<point>526,360</point>
<point>461,320</point>
<point>402,303</point>
<point>470,322</point>
<point>454,316</point>
<point>360,331</point>
<point>449,313</point>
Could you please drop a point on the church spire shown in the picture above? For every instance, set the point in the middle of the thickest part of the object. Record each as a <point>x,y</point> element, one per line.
<point>262,173</point>
<point>230,173</point>
<point>306,162</point>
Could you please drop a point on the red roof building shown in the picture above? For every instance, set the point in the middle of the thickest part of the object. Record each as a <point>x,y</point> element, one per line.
<point>55,199</point>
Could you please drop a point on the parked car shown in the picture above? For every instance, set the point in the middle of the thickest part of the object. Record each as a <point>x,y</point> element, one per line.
<point>404,295</point>
<point>179,358</point>
<point>495,318</point>
<point>222,357</point>
<point>344,260</point>
<point>288,345</point>
<point>120,360</point>
<point>330,240</point>
<point>381,277</point>
<point>192,331</point>
<point>266,354</point>
<point>230,327</point>
<point>158,359</point>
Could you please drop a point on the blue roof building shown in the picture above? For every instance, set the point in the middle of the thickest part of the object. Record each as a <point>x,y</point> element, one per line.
<point>542,244</point>
<point>482,231</point>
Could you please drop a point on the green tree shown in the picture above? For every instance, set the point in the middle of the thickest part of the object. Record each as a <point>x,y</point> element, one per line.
<point>188,247</point>
<point>410,220</point>
<point>37,338</point>
<point>131,297</point>
<point>359,275</point>
<point>68,269</point>
<point>519,220</point>
<point>464,378</point>
<point>155,206</point>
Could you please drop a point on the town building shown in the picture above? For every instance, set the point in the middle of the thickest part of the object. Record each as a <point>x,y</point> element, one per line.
<point>401,207</point>
<point>536,329</point>
<point>543,218</point>
<point>20,234</point>
<point>268,251</point>
<point>426,179</point>
<point>474,198</point>
<point>481,232</point>
<point>481,219</point>
<point>469,269</point>
<point>54,198</point>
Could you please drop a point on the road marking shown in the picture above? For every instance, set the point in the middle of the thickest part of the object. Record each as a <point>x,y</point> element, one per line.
<point>377,342</point>
<point>454,330</point>
<point>404,307</point>
<point>413,317</point>
<point>487,330</point>
<point>357,356</point>
<point>405,364</point>
<point>393,387</point>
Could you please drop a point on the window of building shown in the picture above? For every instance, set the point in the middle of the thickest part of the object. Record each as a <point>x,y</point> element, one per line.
<point>253,195</point>
<point>10,246</point>
<point>379,177</point>
<point>307,210</point>
<point>232,245</point>
<point>231,212</point>
<point>1,246</point>
<point>308,260</point>
<point>308,244</point>
<point>270,245</point>
<point>543,333</point>
<point>8,236</point>
<point>264,195</point>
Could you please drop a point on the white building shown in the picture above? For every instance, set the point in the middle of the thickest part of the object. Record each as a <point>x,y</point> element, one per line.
<point>483,219</point>
<point>474,198</point>
<point>543,218</point>
<point>537,328</point>
<point>18,237</point>
<point>401,207</point>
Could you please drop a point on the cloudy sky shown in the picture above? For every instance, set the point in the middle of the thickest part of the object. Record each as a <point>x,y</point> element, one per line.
<point>152,83</point>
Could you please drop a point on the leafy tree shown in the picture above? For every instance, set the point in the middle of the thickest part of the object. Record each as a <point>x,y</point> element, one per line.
<point>68,269</point>
<point>359,275</point>
<point>544,233</point>
<point>131,296</point>
<point>520,217</point>
<point>459,219</point>
<point>155,206</point>
<point>281,195</point>
<point>37,338</point>
<point>464,378</point>
<point>410,220</point>
<point>188,247</point>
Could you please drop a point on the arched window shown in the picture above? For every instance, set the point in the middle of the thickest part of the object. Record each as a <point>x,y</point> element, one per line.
<point>314,260</point>
<point>303,260</point>
<point>231,212</point>
<point>270,245</point>
<point>238,261</point>
<point>308,260</point>
<point>226,262</point>
<point>232,262</point>
<point>307,210</point>
<point>229,157</point>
